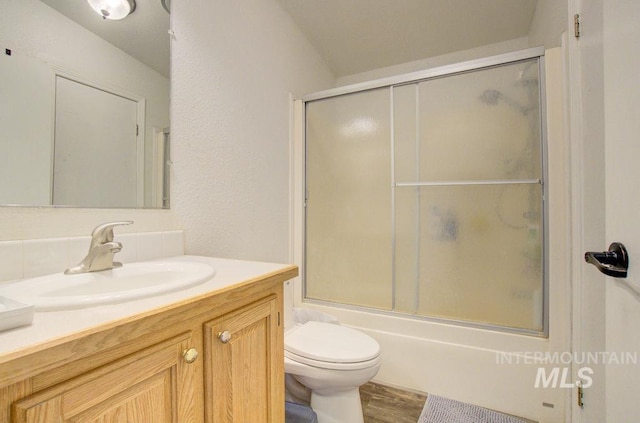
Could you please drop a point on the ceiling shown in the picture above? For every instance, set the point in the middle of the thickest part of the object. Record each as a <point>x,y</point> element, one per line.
<point>353,36</point>
<point>143,34</point>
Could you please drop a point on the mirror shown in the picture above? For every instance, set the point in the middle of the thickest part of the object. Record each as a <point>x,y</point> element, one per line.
<point>84,105</point>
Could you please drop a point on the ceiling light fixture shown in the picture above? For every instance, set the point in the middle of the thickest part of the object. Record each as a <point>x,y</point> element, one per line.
<point>113,9</point>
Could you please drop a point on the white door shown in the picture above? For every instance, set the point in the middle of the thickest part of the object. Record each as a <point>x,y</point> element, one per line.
<point>605,64</point>
<point>622,152</point>
<point>96,151</point>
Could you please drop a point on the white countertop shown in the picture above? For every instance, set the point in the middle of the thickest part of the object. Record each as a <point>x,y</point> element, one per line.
<point>51,325</point>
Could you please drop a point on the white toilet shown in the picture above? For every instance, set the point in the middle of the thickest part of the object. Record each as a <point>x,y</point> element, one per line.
<point>332,361</point>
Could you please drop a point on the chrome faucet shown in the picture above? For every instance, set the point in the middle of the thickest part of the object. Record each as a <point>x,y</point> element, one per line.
<point>101,250</point>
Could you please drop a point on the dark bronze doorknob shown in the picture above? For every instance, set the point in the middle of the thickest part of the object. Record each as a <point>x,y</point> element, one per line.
<point>614,262</point>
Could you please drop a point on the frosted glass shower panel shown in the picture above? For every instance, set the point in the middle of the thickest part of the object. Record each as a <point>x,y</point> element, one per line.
<point>425,198</point>
<point>348,222</point>
<point>468,197</point>
<point>471,253</point>
<point>406,132</point>
<point>486,122</point>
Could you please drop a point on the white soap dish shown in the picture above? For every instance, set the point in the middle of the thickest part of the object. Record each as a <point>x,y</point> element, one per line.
<point>14,314</point>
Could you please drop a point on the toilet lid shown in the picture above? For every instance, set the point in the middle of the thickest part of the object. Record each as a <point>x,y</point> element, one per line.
<point>330,343</point>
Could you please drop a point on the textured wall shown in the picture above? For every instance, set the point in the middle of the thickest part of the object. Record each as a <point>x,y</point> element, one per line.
<point>235,64</point>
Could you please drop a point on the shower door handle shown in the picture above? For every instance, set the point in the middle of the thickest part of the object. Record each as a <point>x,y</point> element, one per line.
<point>614,262</point>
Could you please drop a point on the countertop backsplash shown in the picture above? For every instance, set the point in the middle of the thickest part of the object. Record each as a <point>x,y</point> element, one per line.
<point>37,257</point>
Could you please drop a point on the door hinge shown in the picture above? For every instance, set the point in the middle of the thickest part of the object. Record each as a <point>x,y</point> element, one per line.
<point>580,395</point>
<point>278,318</point>
<point>576,25</point>
<point>137,130</point>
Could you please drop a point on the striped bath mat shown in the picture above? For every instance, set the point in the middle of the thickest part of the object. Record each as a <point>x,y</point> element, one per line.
<point>443,410</point>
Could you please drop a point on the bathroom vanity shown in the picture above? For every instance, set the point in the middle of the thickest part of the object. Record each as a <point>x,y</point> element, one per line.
<point>211,353</point>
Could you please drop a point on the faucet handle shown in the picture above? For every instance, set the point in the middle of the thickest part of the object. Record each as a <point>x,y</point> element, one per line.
<point>104,232</point>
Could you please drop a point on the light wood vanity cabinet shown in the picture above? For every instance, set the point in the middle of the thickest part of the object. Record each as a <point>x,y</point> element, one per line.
<point>143,369</point>
<point>243,356</point>
<point>147,386</point>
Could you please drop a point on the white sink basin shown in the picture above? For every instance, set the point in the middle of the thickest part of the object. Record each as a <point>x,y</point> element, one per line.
<point>130,282</point>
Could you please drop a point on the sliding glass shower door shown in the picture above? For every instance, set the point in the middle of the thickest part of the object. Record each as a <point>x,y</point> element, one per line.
<point>426,198</point>
<point>349,249</point>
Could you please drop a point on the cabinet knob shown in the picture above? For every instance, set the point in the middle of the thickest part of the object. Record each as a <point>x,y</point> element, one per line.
<point>224,337</point>
<point>190,355</point>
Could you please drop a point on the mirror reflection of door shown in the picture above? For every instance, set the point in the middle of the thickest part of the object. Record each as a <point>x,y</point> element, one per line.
<point>95,157</point>
<point>160,168</point>
<point>166,168</point>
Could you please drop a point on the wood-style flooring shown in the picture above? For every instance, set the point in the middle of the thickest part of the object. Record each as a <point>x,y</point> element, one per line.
<point>383,404</point>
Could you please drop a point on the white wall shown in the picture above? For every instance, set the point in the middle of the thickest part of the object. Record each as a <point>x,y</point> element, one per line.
<point>235,64</point>
<point>432,62</point>
<point>548,23</point>
<point>546,28</point>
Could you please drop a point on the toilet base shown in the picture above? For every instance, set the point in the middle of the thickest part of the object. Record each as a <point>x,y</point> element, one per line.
<point>341,407</point>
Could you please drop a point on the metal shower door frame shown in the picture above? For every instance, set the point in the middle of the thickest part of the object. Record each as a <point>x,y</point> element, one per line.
<point>414,78</point>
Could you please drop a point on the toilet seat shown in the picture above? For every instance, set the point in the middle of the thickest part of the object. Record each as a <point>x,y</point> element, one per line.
<point>331,346</point>
<point>327,365</point>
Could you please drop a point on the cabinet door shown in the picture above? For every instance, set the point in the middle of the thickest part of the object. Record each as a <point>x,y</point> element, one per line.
<point>244,365</point>
<point>148,386</point>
